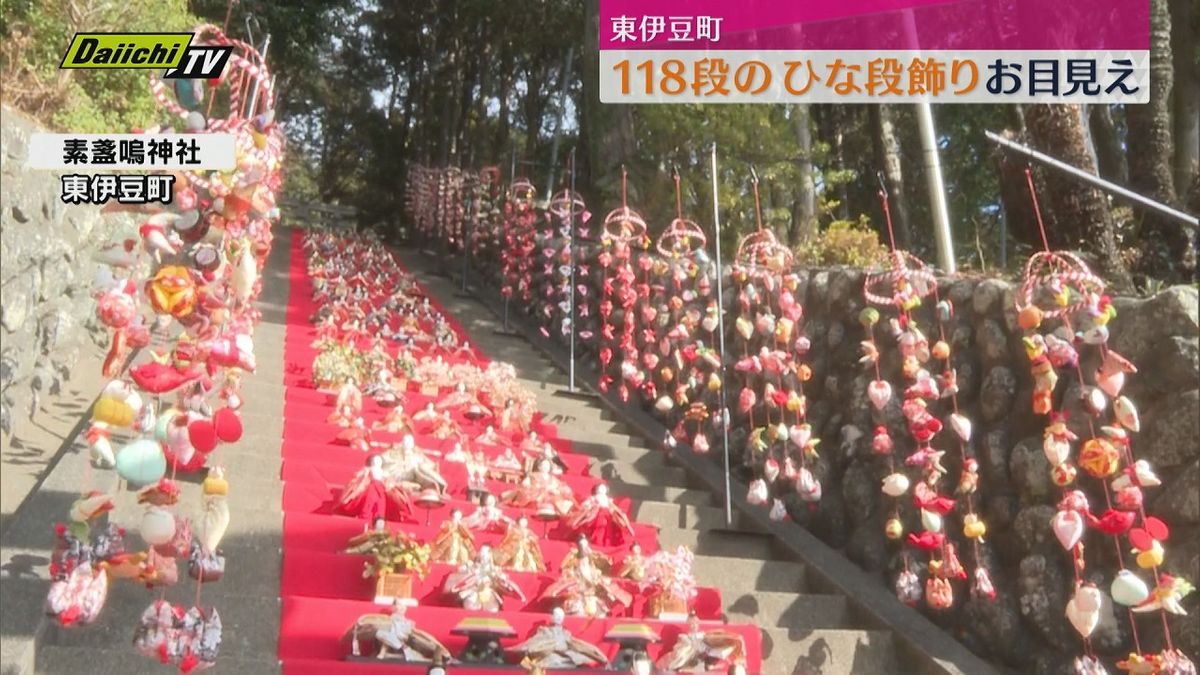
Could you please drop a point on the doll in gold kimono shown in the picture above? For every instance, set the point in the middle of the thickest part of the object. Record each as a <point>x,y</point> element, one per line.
<point>553,646</point>
<point>541,486</point>
<point>583,589</point>
<point>633,567</point>
<point>454,543</point>
<point>481,584</point>
<point>519,550</point>
<point>699,649</point>
<point>512,419</point>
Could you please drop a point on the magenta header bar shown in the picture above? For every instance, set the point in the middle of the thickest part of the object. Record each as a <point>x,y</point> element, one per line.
<point>1073,25</point>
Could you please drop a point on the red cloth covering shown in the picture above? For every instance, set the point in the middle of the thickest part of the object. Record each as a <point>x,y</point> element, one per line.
<point>323,590</point>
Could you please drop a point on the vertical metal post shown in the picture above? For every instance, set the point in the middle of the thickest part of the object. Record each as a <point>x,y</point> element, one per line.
<point>512,177</point>
<point>724,412</point>
<point>571,240</point>
<point>467,228</point>
<point>937,188</point>
<point>258,78</point>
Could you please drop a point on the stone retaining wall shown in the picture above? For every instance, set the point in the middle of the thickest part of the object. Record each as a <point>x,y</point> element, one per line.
<point>47,314</point>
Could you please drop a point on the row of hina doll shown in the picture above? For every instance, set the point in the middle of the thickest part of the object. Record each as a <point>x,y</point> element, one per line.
<point>382,488</point>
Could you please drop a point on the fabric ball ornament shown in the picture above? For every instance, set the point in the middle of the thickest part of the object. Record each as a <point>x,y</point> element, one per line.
<point>228,425</point>
<point>157,526</point>
<point>141,462</point>
<point>203,435</point>
<point>1128,589</point>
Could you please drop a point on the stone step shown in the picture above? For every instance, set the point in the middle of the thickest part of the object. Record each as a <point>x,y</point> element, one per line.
<point>660,493</point>
<point>737,576</point>
<point>719,543</point>
<point>123,660</point>
<point>649,469</point>
<point>689,516</point>
<point>606,446</point>
<point>828,652</point>
<point>787,610</point>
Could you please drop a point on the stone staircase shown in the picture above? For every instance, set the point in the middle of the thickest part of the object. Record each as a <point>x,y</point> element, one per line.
<point>804,631</point>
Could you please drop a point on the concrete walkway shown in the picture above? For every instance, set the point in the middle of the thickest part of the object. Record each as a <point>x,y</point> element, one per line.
<point>247,597</point>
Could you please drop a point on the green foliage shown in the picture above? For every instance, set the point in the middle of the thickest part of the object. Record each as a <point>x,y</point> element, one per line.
<point>844,242</point>
<point>36,35</point>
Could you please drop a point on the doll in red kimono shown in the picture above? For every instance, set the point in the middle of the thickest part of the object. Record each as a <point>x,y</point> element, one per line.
<point>600,520</point>
<point>372,494</point>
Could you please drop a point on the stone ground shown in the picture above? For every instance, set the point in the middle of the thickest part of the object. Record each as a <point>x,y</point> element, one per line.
<point>36,441</point>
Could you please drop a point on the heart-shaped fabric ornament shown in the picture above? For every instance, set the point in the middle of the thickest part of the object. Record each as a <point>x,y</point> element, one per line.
<point>895,484</point>
<point>961,426</point>
<point>1068,528</point>
<point>227,425</point>
<point>758,494</point>
<point>1127,414</point>
<point>1083,611</point>
<point>800,434</point>
<point>141,462</point>
<point>1057,450</point>
<point>771,470</point>
<point>203,435</point>
<point>880,392</point>
<point>744,328</point>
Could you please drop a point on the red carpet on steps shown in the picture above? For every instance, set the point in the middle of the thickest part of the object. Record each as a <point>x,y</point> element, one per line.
<point>323,590</point>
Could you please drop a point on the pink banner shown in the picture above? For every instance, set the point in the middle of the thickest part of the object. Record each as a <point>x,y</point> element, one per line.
<point>875,24</point>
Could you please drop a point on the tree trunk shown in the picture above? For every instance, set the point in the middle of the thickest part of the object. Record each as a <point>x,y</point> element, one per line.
<point>1110,156</point>
<point>1164,241</point>
<point>501,143</point>
<point>804,209</point>
<point>1187,93</point>
<point>1082,216</point>
<point>534,106</point>
<point>887,155</point>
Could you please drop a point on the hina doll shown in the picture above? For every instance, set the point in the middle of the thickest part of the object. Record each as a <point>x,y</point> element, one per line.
<point>512,419</point>
<point>372,494</point>
<point>633,567</point>
<point>553,646</point>
<point>356,435</point>
<point>698,649</point>
<point>519,550</point>
<point>488,517</point>
<point>383,387</point>
<point>408,463</point>
<point>539,487</point>
<point>457,455</point>
<point>583,589</point>
<point>398,637</point>
<point>465,401</point>
<point>481,584</point>
<point>348,406</point>
<point>489,437</point>
<point>600,520</point>
<point>396,421</point>
<point>506,467</point>
<point>538,451</point>
<point>454,543</point>
<point>583,551</point>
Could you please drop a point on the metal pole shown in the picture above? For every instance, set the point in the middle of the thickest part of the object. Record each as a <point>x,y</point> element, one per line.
<point>562,95</point>
<point>721,340</point>
<point>937,188</point>
<point>467,228</point>
<point>258,78</point>
<point>571,222</point>
<point>933,164</point>
<point>512,177</point>
<point>1092,179</point>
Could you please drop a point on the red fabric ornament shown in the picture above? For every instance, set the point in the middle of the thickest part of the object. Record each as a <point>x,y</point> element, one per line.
<point>203,435</point>
<point>228,425</point>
